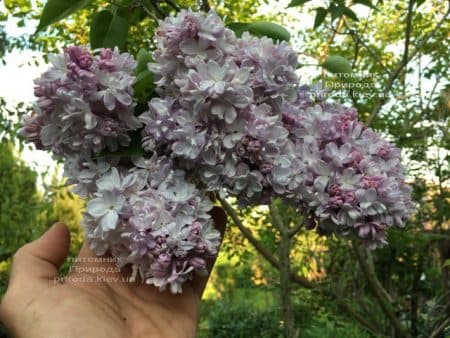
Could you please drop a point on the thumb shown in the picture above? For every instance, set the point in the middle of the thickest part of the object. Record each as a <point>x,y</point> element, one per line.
<point>42,258</point>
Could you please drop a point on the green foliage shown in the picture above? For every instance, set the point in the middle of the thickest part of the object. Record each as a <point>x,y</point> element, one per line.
<point>337,64</point>
<point>295,3</point>
<point>243,292</point>
<point>235,320</point>
<point>56,10</point>
<point>144,85</point>
<point>108,30</point>
<point>324,327</point>
<point>20,203</point>
<point>269,29</point>
<point>321,14</point>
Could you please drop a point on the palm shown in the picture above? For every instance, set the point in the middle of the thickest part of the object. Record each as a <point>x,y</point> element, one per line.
<point>111,309</point>
<point>95,299</point>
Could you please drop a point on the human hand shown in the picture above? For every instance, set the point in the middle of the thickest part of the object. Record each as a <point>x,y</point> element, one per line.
<point>106,306</point>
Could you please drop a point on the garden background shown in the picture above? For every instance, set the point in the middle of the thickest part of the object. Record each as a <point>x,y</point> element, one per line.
<point>390,59</point>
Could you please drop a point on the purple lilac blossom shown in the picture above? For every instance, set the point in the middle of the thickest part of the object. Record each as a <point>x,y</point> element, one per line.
<point>149,216</point>
<point>230,116</point>
<point>142,211</point>
<point>233,114</point>
<point>84,103</point>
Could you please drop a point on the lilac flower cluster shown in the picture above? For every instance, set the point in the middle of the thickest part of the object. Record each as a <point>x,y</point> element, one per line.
<point>232,113</point>
<point>231,117</point>
<point>149,216</point>
<point>143,211</point>
<point>84,103</point>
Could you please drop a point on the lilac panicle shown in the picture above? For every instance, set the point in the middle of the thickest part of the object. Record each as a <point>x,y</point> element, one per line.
<point>84,103</point>
<point>232,117</point>
<point>151,217</point>
<point>232,113</point>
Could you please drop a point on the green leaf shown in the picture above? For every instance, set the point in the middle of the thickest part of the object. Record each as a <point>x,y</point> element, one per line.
<point>367,3</point>
<point>349,13</point>
<point>238,27</point>
<point>269,29</point>
<point>446,263</point>
<point>321,14</point>
<point>144,86</point>
<point>337,64</point>
<point>143,58</point>
<point>55,10</point>
<point>336,11</point>
<point>133,149</point>
<point>108,30</point>
<point>295,3</point>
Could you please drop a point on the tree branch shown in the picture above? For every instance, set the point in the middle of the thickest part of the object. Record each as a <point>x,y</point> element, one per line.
<point>359,318</point>
<point>293,276</point>
<point>357,39</point>
<point>284,259</point>
<point>379,292</point>
<point>399,68</point>
<point>260,248</point>
<point>440,328</point>
<point>408,31</point>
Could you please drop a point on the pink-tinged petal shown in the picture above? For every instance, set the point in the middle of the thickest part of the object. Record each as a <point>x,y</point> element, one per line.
<point>124,98</point>
<point>90,121</point>
<point>97,207</point>
<point>109,100</point>
<point>128,181</point>
<point>110,181</point>
<point>49,134</point>
<point>109,221</point>
<point>230,114</point>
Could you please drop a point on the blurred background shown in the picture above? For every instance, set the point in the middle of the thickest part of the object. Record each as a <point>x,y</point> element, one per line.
<point>399,52</point>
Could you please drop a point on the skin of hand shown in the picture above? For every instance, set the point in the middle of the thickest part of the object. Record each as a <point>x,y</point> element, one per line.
<point>35,305</point>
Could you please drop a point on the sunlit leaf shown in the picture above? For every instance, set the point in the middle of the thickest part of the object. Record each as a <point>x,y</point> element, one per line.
<point>367,3</point>
<point>269,29</point>
<point>349,13</point>
<point>55,10</point>
<point>321,14</point>
<point>337,64</point>
<point>295,3</point>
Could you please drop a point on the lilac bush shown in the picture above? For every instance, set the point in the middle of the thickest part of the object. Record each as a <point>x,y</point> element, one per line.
<point>230,117</point>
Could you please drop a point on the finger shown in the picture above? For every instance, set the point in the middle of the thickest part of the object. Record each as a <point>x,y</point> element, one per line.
<point>220,221</point>
<point>85,251</point>
<point>88,261</point>
<point>42,258</point>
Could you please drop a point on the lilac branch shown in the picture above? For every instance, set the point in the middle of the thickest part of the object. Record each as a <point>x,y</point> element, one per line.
<point>358,317</point>
<point>378,291</point>
<point>260,248</point>
<point>285,259</point>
